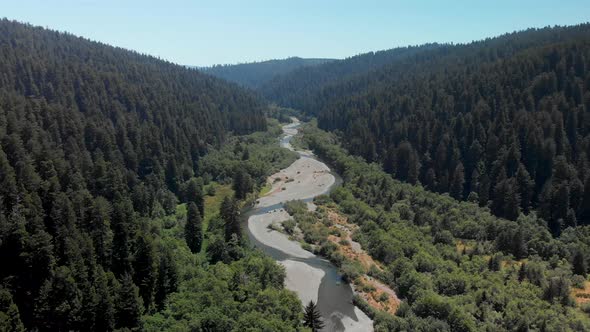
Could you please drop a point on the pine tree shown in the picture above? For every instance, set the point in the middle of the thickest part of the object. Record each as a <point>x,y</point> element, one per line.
<point>579,263</point>
<point>312,317</point>
<point>193,228</point>
<point>230,215</point>
<point>526,187</point>
<point>128,305</point>
<point>172,176</point>
<point>458,182</point>
<point>100,229</point>
<point>585,205</point>
<point>167,282</point>
<point>145,269</point>
<point>242,183</point>
<point>60,303</point>
<point>105,310</point>
<point>9,314</point>
<point>123,223</point>
<point>194,193</point>
<point>8,189</point>
<point>519,246</point>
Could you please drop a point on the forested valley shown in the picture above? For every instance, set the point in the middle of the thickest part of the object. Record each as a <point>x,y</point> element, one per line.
<point>455,266</point>
<point>116,199</point>
<point>503,121</point>
<point>465,168</point>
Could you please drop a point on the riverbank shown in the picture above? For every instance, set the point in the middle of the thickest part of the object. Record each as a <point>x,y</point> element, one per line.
<point>310,276</point>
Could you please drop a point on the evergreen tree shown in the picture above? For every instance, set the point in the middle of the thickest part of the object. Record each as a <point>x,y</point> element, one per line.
<point>172,176</point>
<point>580,266</point>
<point>60,303</point>
<point>585,205</point>
<point>105,310</point>
<point>167,282</point>
<point>123,224</point>
<point>9,314</point>
<point>129,306</point>
<point>194,193</point>
<point>458,182</point>
<point>230,216</point>
<point>526,187</point>
<point>193,228</point>
<point>100,229</point>
<point>8,189</point>
<point>242,183</point>
<point>312,317</point>
<point>145,269</point>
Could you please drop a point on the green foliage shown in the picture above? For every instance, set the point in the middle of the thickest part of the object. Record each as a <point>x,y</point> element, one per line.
<point>95,143</point>
<point>265,158</point>
<point>500,121</point>
<point>244,295</point>
<point>456,266</point>
<point>193,229</point>
<point>255,74</point>
<point>227,286</point>
<point>129,306</point>
<point>9,314</point>
<point>312,317</point>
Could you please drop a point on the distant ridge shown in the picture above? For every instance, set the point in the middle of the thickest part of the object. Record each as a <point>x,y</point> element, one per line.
<point>256,74</point>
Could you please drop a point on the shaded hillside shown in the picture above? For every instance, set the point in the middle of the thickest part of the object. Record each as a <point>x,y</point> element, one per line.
<point>95,143</point>
<point>503,121</point>
<point>299,88</point>
<point>256,74</point>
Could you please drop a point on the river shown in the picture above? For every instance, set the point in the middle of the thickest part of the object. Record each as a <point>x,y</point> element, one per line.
<point>310,276</point>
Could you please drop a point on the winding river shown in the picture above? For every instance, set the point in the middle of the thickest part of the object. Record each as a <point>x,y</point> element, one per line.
<point>310,276</point>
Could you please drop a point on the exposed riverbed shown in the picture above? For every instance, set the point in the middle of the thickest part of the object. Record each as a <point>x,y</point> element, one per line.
<point>310,276</point>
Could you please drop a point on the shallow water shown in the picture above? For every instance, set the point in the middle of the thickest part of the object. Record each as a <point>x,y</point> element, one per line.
<point>334,297</point>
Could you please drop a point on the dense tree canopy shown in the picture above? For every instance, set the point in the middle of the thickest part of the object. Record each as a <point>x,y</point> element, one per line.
<point>502,121</point>
<point>95,143</point>
<point>256,74</point>
<point>455,266</point>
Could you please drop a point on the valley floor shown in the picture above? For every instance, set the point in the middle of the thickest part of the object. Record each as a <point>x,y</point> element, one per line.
<point>311,277</point>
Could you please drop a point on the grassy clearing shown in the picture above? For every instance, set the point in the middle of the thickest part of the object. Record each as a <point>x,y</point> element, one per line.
<point>265,189</point>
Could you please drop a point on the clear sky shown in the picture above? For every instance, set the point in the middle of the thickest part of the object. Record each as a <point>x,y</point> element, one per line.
<point>222,31</point>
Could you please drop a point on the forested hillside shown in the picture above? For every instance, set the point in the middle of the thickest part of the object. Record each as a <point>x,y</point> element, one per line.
<point>301,88</point>
<point>256,74</point>
<point>98,142</point>
<point>455,266</point>
<point>503,121</point>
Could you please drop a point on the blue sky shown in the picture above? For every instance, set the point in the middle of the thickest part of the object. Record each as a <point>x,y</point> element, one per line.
<point>211,32</point>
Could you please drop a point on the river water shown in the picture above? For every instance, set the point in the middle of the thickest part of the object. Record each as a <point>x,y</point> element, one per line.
<point>310,276</point>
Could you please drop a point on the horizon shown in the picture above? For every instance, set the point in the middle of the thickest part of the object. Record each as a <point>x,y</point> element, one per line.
<point>265,31</point>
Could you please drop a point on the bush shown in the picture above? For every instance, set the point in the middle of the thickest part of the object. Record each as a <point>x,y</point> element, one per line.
<point>306,246</point>
<point>585,307</point>
<point>430,304</point>
<point>351,271</point>
<point>328,248</point>
<point>366,288</point>
<point>289,226</point>
<point>211,190</point>
<point>578,281</point>
<point>322,199</point>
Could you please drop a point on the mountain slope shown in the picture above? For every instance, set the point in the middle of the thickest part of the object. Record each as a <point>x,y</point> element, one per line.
<point>96,144</point>
<point>503,121</point>
<point>256,74</point>
<point>297,89</point>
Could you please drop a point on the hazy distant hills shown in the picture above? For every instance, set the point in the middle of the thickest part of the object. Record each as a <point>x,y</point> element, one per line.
<point>256,74</point>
